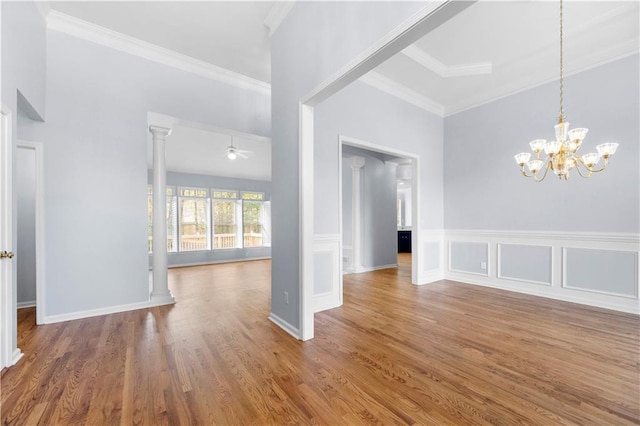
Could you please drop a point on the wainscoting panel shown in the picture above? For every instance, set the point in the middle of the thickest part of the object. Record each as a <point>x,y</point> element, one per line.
<point>468,257</point>
<point>592,269</point>
<point>327,272</point>
<point>525,263</point>
<point>431,255</point>
<point>432,261</point>
<point>603,271</point>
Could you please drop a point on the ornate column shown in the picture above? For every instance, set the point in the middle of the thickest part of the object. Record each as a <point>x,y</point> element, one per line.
<point>356,163</point>
<point>160,294</point>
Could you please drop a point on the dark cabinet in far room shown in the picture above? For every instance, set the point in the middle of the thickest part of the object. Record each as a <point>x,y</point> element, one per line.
<point>404,241</point>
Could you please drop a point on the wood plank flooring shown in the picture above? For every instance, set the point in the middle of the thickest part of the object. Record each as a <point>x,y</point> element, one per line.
<point>445,353</point>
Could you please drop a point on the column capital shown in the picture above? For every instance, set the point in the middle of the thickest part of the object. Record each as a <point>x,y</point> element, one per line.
<point>356,162</point>
<point>159,131</point>
<point>391,163</point>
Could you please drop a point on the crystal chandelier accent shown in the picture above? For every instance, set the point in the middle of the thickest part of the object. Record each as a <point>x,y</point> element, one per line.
<point>561,154</point>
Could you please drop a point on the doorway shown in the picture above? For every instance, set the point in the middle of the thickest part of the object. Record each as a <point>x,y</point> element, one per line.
<point>29,228</point>
<point>369,229</point>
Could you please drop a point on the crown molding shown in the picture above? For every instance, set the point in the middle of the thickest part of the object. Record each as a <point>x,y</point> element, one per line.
<point>596,59</point>
<point>276,15</point>
<point>446,71</point>
<point>85,30</point>
<point>396,89</point>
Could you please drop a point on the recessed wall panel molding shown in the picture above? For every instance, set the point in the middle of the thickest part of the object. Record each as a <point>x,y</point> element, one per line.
<point>469,257</point>
<point>327,272</point>
<point>597,269</point>
<point>526,263</point>
<point>610,272</point>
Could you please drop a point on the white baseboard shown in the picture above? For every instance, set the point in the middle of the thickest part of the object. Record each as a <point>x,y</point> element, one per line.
<point>556,296</point>
<point>29,304</point>
<point>15,357</point>
<point>373,268</point>
<point>50,319</point>
<point>284,325</point>
<point>429,277</point>
<point>215,262</point>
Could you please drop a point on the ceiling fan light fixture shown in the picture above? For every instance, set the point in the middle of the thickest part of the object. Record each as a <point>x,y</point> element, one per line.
<point>231,155</point>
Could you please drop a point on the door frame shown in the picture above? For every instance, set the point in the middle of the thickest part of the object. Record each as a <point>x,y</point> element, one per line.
<point>416,247</point>
<point>38,148</point>
<point>9,352</point>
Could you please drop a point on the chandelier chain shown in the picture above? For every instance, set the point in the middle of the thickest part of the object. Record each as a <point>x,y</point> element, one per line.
<point>561,118</point>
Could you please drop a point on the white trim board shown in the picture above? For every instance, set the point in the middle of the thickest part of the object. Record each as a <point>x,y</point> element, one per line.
<point>28,304</point>
<point>285,325</point>
<point>50,319</point>
<point>216,262</point>
<point>73,26</point>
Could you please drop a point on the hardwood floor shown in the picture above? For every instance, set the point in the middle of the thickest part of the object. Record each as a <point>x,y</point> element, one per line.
<point>445,353</point>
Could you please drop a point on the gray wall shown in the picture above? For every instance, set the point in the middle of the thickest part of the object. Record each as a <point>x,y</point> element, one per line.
<point>26,245</point>
<point>95,163</point>
<point>24,52</point>
<point>378,208</point>
<point>484,188</point>
<point>23,56</point>
<point>217,182</point>
<point>313,42</point>
<point>362,112</point>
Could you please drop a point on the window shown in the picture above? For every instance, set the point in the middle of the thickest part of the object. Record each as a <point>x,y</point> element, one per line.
<point>194,219</point>
<point>252,219</point>
<point>225,229</point>
<point>172,234</point>
<point>203,219</point>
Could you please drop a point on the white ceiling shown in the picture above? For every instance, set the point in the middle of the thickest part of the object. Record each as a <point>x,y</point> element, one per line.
<point>489,50</point>
<point>199,151</point>
<point>493,49</point>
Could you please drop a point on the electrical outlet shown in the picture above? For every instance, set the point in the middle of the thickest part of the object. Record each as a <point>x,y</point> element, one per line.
<point>483,265</point>
<point>286,297</point>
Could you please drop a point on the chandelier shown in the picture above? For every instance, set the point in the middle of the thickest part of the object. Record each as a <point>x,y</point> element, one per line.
<point>562,154</point>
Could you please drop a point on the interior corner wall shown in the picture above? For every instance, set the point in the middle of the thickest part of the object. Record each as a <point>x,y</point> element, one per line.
<point>312,43</point>
<point>484,188</point>
<point>95,164</point>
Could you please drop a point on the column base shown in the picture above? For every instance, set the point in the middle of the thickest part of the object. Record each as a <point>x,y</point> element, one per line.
<point>161,299</point>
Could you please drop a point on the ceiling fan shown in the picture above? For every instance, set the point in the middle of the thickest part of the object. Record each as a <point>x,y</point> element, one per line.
<point>233,152</point>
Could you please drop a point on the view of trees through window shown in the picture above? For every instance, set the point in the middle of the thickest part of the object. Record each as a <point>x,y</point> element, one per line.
<point>212,219</point>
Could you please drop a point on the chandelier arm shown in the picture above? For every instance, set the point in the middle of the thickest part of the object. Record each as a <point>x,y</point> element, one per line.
<point>604,166</point>
<point>588,175</point>
<point>546,170</point>
<point>524,173</point>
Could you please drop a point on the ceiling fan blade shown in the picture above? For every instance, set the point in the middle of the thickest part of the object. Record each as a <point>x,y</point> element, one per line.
<point>242,154</point>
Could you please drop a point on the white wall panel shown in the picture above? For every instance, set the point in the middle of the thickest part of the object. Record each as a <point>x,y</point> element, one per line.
<point>524,262</point>
<point>605,271</point>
